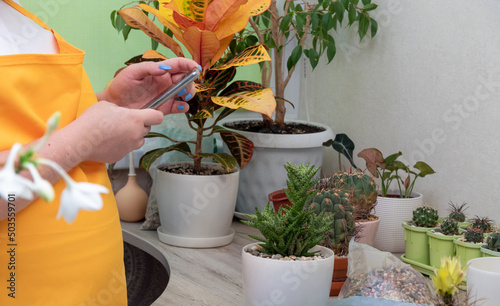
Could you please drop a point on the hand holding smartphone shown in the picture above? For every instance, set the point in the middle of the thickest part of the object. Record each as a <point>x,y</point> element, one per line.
<point>172,91</point>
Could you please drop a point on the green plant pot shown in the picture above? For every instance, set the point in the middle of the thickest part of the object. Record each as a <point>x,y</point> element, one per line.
<point>439,246</point>
<point>417,243</point>
<point>489,253</point>
<point>466,251</point>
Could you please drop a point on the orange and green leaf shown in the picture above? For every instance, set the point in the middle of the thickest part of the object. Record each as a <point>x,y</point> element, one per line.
<point>249,56</point>
<point>135,18</point>
<point>227,161</point>
<point>239,146</point>
<point>261,101</point>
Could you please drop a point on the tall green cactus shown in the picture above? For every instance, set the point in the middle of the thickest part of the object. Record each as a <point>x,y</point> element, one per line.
<point>335,203</point>
<point>361,188</point>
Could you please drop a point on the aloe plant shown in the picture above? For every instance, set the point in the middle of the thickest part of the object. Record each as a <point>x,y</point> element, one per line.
<point>206,30</point>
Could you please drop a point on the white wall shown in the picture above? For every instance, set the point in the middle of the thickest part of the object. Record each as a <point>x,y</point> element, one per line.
<point>428,85</point>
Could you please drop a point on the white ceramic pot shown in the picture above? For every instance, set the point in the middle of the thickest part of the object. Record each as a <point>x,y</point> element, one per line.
<point>275,282</point>
<point>483,280</point>
<point>265,173</point>
<point>196,210</point>
<point>392,212</point>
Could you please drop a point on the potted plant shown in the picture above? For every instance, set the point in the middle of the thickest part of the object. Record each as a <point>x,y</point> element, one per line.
<point>289,266</point>
<point>394,207</point>
<point>206,32</point>
<point>308,25</point>
<point>416,239</point>
<point>468,245</point>
<point>457,213</point>
<point>492,247</point>
<point>336,202</point>
<point>441,241</point>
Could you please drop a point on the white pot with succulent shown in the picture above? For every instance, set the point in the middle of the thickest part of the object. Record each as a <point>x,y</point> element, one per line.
<point>289,267</point>
<point>296,24</point>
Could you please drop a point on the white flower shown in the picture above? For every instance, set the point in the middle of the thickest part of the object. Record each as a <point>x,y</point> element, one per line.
<point>11,182</point>
<point>42,187</point>
<point>78,196</point>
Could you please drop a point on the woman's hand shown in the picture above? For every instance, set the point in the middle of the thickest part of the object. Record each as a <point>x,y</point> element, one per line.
<point>139,83</point>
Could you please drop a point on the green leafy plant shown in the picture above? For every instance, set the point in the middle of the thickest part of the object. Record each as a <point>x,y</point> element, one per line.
<point>388,169</point>
<point>205,30</point>
<point>344,146</point>
<point>309,26</point>
<point>292,230</point>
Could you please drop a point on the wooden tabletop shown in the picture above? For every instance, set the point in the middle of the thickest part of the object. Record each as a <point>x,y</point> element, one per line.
<point>201,276</point>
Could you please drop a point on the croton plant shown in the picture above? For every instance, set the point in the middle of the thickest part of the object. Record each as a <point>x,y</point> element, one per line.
<point>206,29</point>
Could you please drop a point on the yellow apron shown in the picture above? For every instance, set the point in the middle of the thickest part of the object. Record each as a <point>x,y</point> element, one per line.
<point>48,261</point>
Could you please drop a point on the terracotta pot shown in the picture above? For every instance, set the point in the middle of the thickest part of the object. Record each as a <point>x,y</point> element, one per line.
<point>279,199</point>
<point>367,231</point>
<point>339,275</point>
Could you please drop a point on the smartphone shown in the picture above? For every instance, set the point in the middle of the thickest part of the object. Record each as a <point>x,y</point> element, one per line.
<point>172,91</point>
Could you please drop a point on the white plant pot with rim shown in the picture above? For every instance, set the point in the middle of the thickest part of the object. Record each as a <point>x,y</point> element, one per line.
<point>392,212</point>
<point>265,173</point>
<point>276,282</point>
<point>196,211</point>
<point>483,279</point>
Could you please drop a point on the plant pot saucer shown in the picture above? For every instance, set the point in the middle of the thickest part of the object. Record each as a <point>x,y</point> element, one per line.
<point>198,243</point>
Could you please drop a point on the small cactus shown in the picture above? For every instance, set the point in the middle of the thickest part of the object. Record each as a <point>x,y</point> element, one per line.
<point>449,227</point>
<point>473,235</point>
<point>335,203</point>
<point>484,224</point>
<point>425,216</point>
<point>457,211</point>
<point>493,242</point>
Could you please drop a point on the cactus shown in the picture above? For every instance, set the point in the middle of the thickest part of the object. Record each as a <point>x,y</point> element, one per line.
<point>493,242</point>
<point>335,203</point>
<point>473,235</point>
<point>292,230</point>
<point>425,216</point>
<point>361,189</point>
<point>449,227</point>
<point>457,212</point>
<point>484,224</point>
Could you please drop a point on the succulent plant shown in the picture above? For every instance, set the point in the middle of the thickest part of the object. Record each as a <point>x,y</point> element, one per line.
<point>473,235</point>
<point>425,216</point>
<point>360,187</point>
<point>484,224</point>
<point>457,211</point>
<point>292,230</point>
<point>449,227</point>
<point>335,203</point>
<point>493,242</point>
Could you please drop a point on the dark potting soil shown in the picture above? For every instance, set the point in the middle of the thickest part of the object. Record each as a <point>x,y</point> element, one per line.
<point>257,126</point>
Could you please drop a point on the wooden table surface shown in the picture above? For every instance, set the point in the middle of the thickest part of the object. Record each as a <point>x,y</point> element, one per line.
<point>201,276</point>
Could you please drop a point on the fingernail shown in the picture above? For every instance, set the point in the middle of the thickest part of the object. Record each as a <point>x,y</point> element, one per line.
<point>164,67</point>
<point>180,107</point>
<point>182,92</point>
<point>187,97</point>
<point>199,67</point>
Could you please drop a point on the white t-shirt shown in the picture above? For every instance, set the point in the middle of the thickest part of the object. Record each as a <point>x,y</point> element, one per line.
<point>19,34</point>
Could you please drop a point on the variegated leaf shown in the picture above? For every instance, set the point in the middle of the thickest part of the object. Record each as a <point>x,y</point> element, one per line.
<point>249,56</point>
<point>135,18</point>
<point>261,101</point>
<point>239,146</point>
<point>198,9</point>
<point>204,114</point>
<point>150,157</point>
<point>226,160</point>
<point>240,86</point>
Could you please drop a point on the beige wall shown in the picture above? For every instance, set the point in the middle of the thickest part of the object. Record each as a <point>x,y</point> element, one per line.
<point>428,85</point>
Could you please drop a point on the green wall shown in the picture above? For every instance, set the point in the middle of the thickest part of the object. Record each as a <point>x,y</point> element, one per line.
<point>87,25</point>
